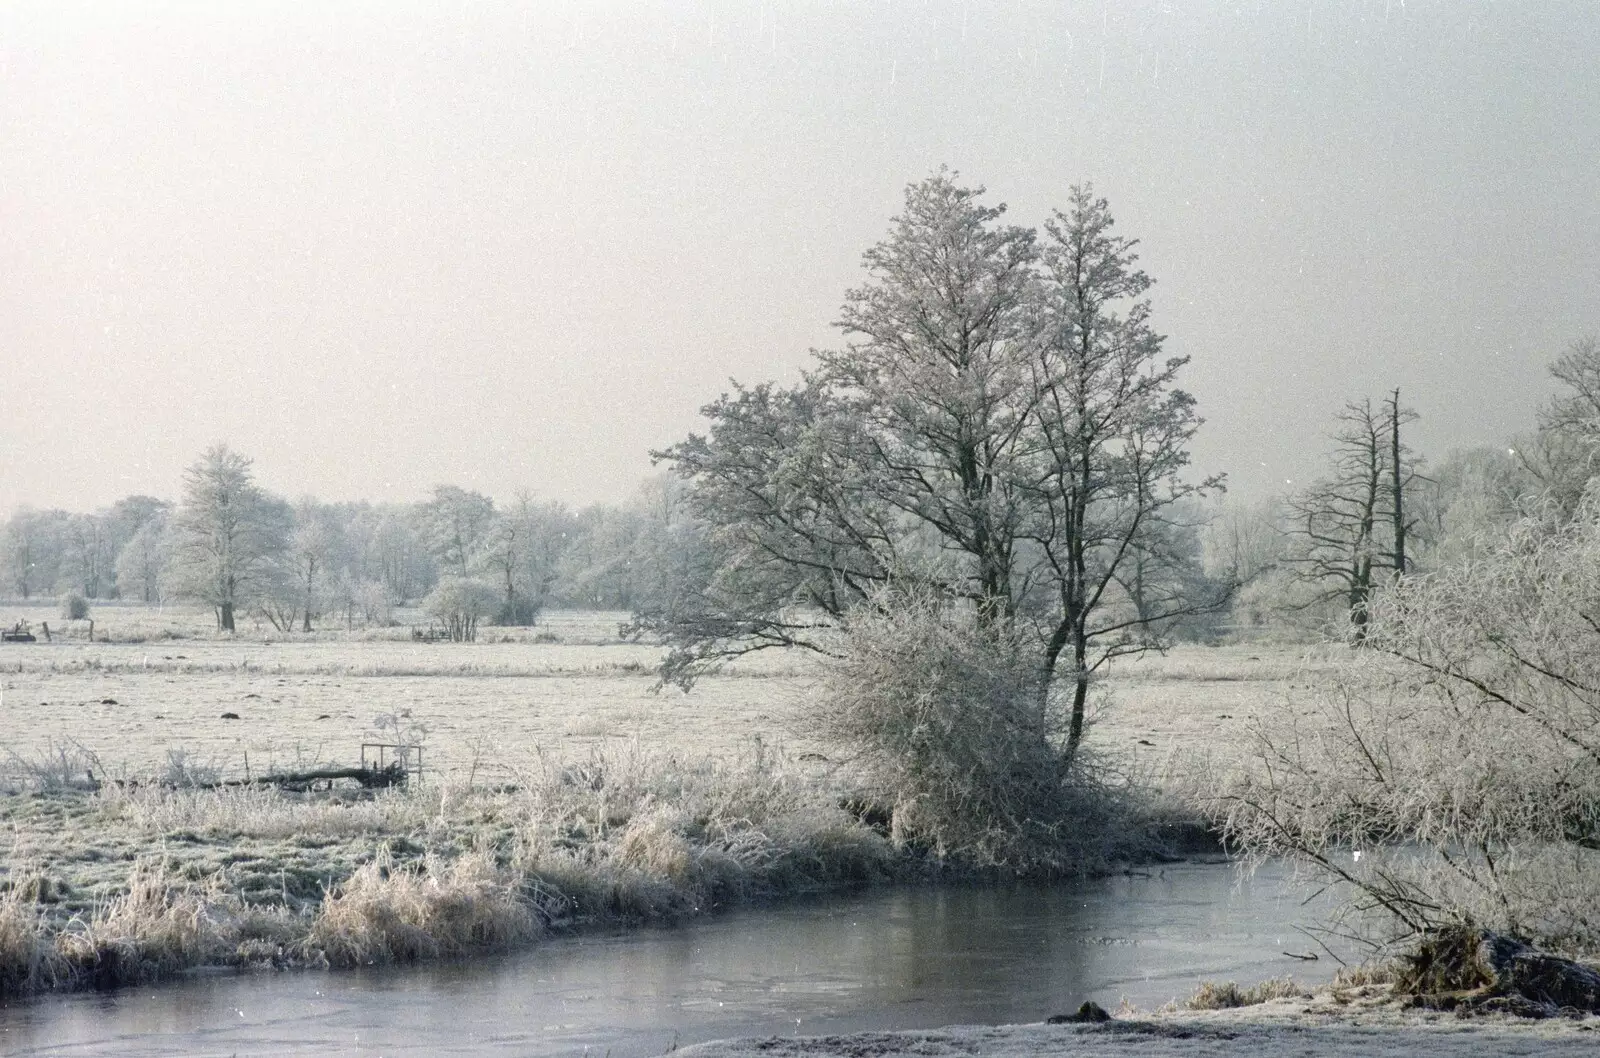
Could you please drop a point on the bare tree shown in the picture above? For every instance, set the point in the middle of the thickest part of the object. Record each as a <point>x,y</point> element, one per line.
<point>228,534</point>
<point>1399,478</point>
<point>1242,543</point>
<point>1348,527</point>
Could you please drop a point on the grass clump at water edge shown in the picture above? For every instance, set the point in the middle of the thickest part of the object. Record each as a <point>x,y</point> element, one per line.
<point>1225,996</point>
<point>249,876</point>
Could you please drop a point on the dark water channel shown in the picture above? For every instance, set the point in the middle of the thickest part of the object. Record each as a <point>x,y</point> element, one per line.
<point>888,959</point>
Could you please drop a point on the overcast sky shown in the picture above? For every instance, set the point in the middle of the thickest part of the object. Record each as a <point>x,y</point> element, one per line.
<point>514,246</point>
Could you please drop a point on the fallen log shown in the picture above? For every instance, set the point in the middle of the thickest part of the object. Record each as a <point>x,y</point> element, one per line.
<point>369,778</point>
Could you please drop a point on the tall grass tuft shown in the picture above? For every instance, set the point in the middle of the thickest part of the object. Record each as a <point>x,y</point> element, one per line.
<point>29,960</point>
<point>389,913</point>
<point>1213,996</point>
<point>620,836</point>
<point>159,926</point>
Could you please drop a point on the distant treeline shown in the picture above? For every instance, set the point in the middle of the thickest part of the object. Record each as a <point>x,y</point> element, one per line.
<point>1297,565</point>
<point>305,564</point>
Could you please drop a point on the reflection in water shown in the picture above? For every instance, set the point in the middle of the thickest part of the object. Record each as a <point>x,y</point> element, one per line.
<point>903,958</point>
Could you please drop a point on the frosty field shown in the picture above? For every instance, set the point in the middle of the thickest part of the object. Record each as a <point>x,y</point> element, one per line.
<point>494,706</point>
<point>560,787</point>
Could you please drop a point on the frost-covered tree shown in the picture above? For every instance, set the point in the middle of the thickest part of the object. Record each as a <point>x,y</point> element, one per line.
<point>87,560</point>
<point>457,523</point>
<point>142,562</point>
<point>228,535</point>
<point>398,553</point>
<point>122,522</point>
<point>1469,502</point>
<point>313,555</point>
<point>31,550</point>
<point>1465,763</point>
<point>1564,453</point>
<point>1000,427</point>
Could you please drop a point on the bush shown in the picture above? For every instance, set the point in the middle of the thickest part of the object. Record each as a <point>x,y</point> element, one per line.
<point>520,612</point>
<point>459,603</point>
<point>74,607</point>
<point>943,721</point>
<point>1453,773</point>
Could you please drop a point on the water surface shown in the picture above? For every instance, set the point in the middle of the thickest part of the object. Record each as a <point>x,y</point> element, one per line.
<point>886,959</point>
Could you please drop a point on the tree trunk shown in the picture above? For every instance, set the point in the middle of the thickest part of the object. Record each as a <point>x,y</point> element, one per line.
<point>227,617</point>
<point>1358,616</point>
<point>311,576</point>
<point>1080,699</point>
<point>1397,487</point>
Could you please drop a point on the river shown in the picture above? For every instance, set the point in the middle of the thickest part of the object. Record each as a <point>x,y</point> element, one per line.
<point>897,958</point>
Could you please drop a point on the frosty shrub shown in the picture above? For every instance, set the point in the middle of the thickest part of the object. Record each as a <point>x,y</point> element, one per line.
<point>459,603</point>
<point>942,720</point>
<point>74,607</point>
<point>1453,773</point>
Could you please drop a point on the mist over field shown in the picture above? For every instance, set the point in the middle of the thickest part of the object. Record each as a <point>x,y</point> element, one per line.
<point>517,246</point>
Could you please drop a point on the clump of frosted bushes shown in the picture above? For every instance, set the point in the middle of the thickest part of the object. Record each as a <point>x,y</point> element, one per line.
<point>1452,773</point>
<point>944,722</point>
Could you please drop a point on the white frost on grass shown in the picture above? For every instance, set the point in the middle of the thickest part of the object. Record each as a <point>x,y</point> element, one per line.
<point>1282,1027</point>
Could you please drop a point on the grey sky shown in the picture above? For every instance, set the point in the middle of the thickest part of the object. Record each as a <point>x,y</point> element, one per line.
<point>508,246</point>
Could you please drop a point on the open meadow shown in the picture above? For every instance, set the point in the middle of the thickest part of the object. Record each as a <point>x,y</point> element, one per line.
<point>155,685</point>
<point>560,787</point>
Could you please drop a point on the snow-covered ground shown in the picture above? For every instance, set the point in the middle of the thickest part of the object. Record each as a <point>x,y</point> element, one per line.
<point>1321,1026</point>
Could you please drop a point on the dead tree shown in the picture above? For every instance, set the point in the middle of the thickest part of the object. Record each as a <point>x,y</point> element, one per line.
<point>1402,473</point>
<point>1350,526</point>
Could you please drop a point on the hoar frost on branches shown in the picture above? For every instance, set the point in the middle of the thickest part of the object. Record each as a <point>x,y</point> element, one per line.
<point>1460,757</point>
<point>1000,428</point>
<point>942,720</point>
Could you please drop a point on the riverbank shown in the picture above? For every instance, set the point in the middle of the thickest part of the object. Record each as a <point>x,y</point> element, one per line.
<point>125,885</point>
<point>1333,1024</point>
<point>898,956</point>
<point>560,795</point>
